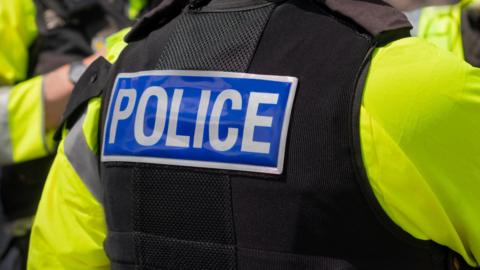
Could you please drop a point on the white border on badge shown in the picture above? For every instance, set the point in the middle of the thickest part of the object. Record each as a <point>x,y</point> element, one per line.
<point>209,164</point>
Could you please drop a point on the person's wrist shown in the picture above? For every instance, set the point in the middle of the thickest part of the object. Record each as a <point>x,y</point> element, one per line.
<point>76,71</point>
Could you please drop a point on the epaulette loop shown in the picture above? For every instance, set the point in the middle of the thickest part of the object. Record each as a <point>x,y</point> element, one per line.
<point>375,16</point>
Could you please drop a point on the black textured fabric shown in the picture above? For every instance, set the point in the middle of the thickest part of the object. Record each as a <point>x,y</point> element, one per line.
<point>172,253</point>
<point>231,5</point>
<point>21,187</point>
<point>376,16</point>
<point>191,206</point>
<point>470,26</point>
<point>220,41</point>
<point>78,24</point>
<point>312,200</point>
<point>257,259</point>
<point>184,218</point>
<point>313,216</point>
<point>159,16</point>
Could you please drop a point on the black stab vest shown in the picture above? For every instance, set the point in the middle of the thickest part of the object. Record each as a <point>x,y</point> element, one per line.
<point>320,213</point>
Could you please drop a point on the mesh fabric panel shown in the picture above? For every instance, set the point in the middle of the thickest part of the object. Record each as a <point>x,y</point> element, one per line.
<point>215,41</point>
<point>183,205</point>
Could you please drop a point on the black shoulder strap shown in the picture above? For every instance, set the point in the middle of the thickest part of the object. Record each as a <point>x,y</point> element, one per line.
<point>90,85</point>
<point>384,22</point>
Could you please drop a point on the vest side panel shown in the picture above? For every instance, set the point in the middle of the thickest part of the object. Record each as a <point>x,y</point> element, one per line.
<point>318,207</point>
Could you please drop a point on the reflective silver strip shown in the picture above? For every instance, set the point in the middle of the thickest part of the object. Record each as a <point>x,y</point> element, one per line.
<point>83,160</point>
<point>6,153</point>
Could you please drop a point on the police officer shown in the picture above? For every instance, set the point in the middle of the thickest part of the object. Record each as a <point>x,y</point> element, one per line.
<point>267,135</point>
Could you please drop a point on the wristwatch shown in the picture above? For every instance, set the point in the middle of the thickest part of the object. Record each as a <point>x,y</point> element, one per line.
<point>76,70</point>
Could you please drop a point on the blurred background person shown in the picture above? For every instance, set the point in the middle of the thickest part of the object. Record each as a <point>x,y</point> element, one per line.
<point>455,28</point>
<point>413,9</point>
<point>47,44</point>
<point>450,24</point>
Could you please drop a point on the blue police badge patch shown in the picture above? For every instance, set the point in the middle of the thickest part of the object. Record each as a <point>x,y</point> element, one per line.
<point>207,119</point>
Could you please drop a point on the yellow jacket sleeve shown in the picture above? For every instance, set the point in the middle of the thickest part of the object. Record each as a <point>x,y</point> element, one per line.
<point>115,44</point>
<point>69,229</point>
<point>18,30</point>
<point>420,140</point>
<point>22,132</point>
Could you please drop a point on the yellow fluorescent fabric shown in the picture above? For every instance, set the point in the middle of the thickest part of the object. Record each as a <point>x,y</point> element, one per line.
<point>90,126</point>
<point>17,30</point>
<point>25,103</point>
<point>135,8</point>
<point>69,229</point>
<point>441,26</point>
<point>115,44</point>
<point>26,121</point>
<point>419,134</point>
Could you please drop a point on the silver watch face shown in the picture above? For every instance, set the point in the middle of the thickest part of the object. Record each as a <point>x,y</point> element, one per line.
<point>76,71</point>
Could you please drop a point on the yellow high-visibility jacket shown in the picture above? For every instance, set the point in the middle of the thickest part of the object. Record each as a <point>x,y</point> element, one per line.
<point>441,25</point>
<point>23,135</point>
<point>420,143</point>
